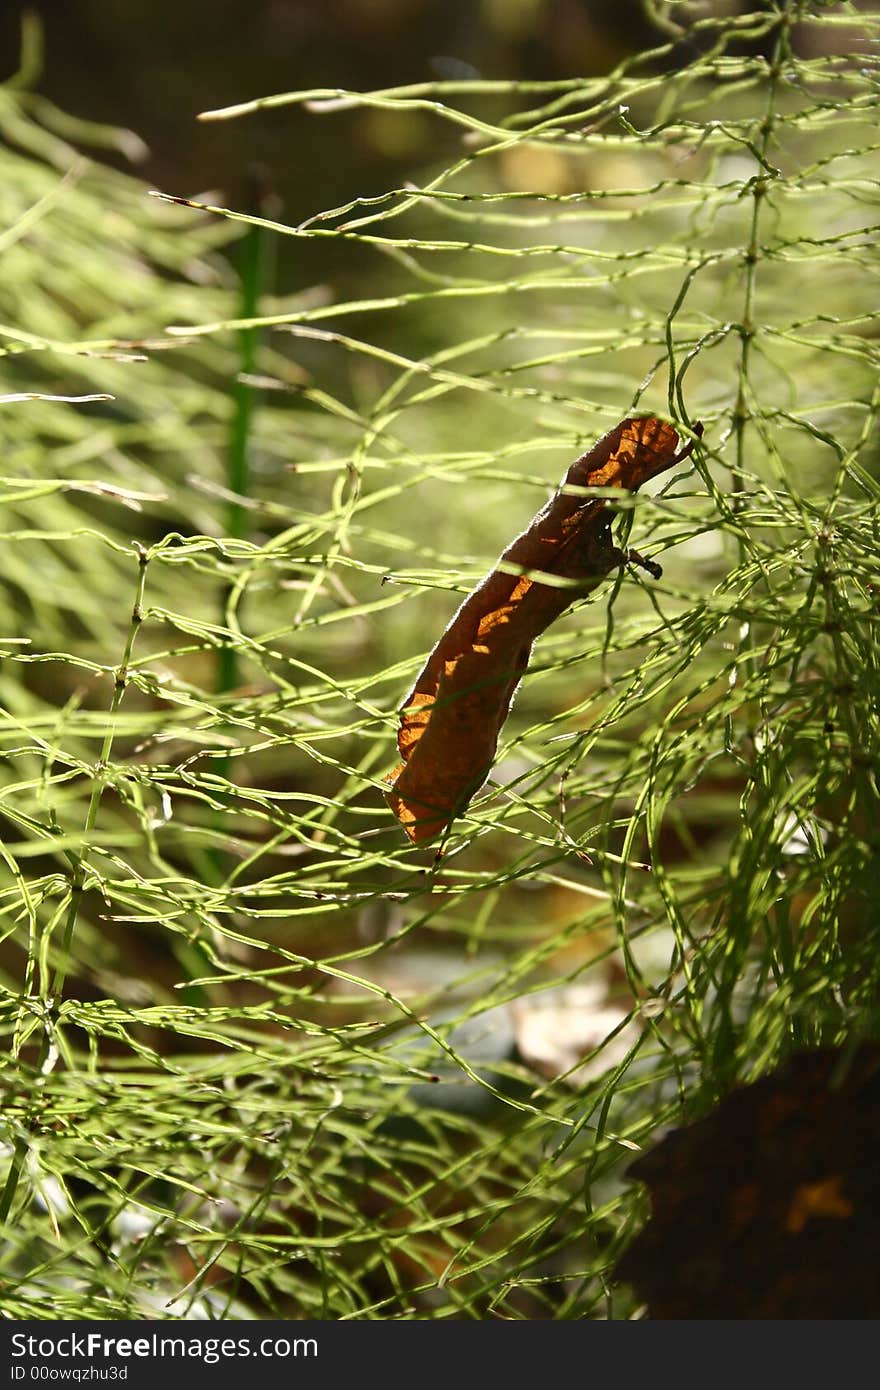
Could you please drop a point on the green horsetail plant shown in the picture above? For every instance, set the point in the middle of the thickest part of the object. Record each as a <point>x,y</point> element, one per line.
<point>264,1056</point>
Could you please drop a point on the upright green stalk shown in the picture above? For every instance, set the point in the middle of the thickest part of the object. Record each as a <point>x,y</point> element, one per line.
<point>251,275</point>
<point>749,855</point>
<point>759,184</point>
<point>239,476</point>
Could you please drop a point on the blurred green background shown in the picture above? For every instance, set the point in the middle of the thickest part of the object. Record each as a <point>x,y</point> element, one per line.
<point>154,67</point>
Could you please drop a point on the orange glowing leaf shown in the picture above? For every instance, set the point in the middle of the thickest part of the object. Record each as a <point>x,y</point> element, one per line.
<point>452,717</point>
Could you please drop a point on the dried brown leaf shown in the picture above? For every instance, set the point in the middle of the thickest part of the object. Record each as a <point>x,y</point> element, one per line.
<point>452,717</point>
